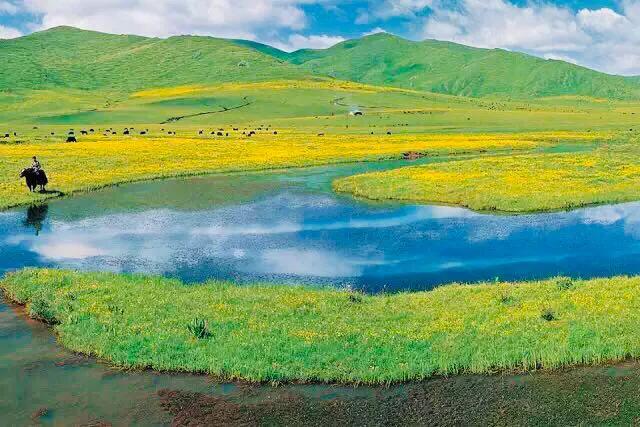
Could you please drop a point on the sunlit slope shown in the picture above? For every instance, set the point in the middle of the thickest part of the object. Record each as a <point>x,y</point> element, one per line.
<point>455,69</point>
<point>70,58</point>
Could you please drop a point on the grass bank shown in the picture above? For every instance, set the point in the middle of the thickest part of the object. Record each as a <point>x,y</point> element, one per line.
<point>98,161</point>
<point>280,333</point>
<point>518,183</point>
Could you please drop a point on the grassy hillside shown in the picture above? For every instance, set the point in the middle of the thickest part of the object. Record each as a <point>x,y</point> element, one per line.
<point>69,58</point>
<point>450,68</point>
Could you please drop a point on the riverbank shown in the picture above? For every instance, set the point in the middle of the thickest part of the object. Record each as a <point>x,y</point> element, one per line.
<point>282,333</point>
<point>98,161</point>
<point>533,182</point>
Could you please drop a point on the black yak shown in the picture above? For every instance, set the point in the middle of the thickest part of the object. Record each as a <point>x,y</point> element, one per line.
<point>71,138</point>
<point>34,179</point>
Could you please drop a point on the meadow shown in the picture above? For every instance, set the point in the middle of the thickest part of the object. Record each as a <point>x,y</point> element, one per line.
<point>97,161</point>
<point>283,333</point>
<point>311,118</point>
<point>518,183</point>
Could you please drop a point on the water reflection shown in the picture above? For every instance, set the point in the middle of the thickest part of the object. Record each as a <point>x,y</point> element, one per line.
<point>36,216</point>
<point>291,235</point>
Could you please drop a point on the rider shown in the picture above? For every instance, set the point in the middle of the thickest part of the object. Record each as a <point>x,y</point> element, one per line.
<point>35,165</point>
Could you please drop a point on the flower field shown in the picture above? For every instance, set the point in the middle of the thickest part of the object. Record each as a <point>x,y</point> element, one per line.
<point>518,183</point>
<point>97,161</point>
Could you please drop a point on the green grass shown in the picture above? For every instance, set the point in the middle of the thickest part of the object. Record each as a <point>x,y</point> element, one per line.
<point>282,333</point>
<point>541,181</point>
<point>444,67</point>
<point>69,58</point>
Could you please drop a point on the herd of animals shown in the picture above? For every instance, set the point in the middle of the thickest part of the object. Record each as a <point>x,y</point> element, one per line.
<point>35,179</point>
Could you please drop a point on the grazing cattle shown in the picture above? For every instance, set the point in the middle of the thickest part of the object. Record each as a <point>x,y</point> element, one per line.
<point>219,134</point>
<point>91,130</point>
<point>321,134</point>
<point>143,132</point>
<point>33,179</point>
<point>71,138</point>
<point>53,133</point>
<point>83,132</point>
<point>200,132</point>
<point>6,135</point>
<point>275,132</point>
<point>114,133</point>
<point>126,132</point>
<point>389,133</point>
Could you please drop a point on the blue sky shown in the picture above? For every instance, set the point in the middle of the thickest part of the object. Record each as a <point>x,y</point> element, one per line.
<point>601,34</point>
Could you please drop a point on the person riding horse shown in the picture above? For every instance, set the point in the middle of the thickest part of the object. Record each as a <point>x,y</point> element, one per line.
<point>35,176</point>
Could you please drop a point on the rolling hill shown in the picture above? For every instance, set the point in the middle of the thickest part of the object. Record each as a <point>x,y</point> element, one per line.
<point>444,67</point>
<point>69,58</point>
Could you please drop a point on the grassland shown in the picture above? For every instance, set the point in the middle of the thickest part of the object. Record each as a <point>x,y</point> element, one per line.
<point>518,183</point>
<point>81,80</point>
<point>454,69</point>
<point>97,161</point>
<point>311,117</point>
<point>69,58</point>
<point>279,333</point>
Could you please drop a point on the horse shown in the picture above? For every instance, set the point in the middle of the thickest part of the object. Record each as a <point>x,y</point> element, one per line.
<point>34,179</point>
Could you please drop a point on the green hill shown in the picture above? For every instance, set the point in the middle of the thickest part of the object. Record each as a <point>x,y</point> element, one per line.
<point>69,58</point>
<point>445,67</point>
<point>66,57</point>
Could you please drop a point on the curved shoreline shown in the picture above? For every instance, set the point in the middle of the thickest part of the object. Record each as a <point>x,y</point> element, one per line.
<point>270,333</point>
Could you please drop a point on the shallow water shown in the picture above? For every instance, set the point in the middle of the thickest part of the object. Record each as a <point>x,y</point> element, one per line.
<point>288,227</point>
<point>42,384</point>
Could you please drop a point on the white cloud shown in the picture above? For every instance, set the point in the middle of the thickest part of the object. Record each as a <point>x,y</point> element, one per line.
<point>498,23</point>
<point>380,10</point>
<point>600,20</point>
<point>599,38</point>
<point>376,30</point>
<point>298,41</point>
<point>223,18</point>
<point>8,8</point>
<point>9,33</point>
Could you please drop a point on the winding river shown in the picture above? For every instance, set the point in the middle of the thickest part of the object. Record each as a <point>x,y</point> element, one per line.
<point>289,227</point>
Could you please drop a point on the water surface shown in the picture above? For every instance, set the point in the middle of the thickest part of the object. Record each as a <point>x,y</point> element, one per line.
<point>289,227</point>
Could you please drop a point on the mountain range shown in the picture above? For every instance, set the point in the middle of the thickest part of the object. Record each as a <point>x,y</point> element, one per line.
<point>71,58</point>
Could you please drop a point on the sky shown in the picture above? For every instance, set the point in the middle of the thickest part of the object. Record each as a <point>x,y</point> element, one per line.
<point>600,34</point>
